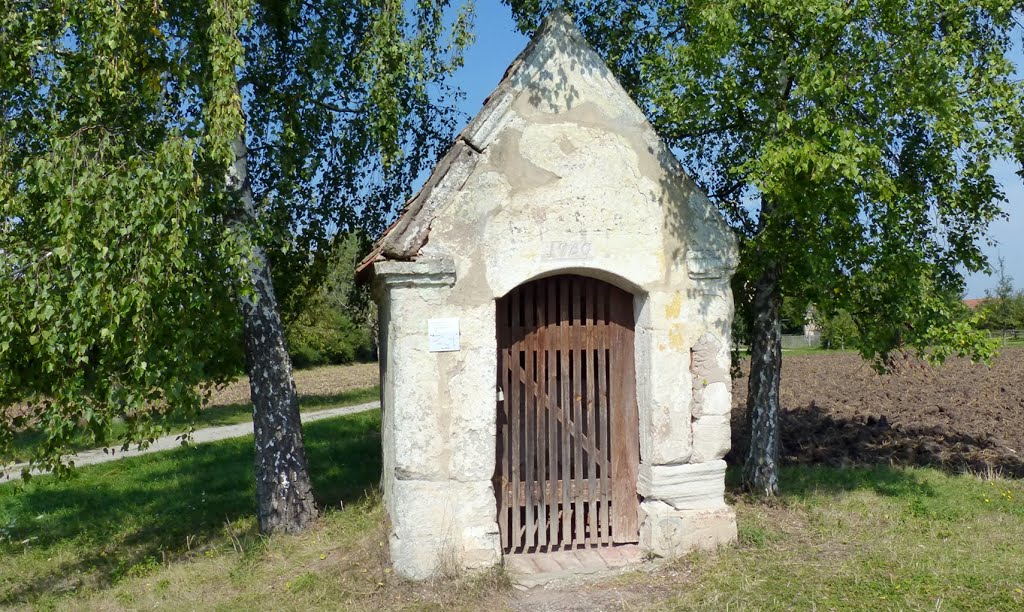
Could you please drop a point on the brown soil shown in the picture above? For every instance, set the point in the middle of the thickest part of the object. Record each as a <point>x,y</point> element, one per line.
<point>326,381</point>
<point>837,411</point>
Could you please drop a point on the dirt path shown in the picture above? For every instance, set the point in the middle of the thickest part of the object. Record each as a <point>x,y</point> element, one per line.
<point>578,598</point>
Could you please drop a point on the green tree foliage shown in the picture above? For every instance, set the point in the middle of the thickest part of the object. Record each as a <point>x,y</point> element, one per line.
<point>113,256</point>
<point>129,236</point>
<point>794,315</point>
<point>338,322</point>
<point>850,145</point>
<point>838,331</point>
<point>346,103</point>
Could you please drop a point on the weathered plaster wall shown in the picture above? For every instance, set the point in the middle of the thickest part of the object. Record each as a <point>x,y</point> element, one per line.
<point>437,485</point>
<point>562,174</point>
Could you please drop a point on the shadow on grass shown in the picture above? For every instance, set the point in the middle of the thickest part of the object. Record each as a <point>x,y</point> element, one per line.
<point>888,481</point>
<point>802,481</point>
<point>117,516</point>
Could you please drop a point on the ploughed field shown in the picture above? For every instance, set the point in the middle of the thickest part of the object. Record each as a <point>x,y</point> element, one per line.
<point>837,411</point>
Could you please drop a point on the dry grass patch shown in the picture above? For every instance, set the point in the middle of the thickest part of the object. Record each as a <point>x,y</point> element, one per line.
<point>847,539</point>
<point>176,530</point>
<point>341,564</point>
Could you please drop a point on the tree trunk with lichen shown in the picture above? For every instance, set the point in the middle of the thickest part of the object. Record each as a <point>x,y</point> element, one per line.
<point>284,493</point>
<point>761,468</point>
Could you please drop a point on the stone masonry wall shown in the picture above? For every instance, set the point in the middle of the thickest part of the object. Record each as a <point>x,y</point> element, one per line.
<point>562,174</point>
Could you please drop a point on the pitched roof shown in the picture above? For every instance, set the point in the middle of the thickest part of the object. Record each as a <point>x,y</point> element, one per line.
<point>410,231</point>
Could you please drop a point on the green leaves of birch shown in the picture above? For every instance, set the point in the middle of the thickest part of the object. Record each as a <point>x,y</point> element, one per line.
<point>111,272</point>
<point>118,270</point>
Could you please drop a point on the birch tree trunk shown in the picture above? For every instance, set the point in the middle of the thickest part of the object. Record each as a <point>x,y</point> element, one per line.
<point>284,493</point>
<point>761,468</point>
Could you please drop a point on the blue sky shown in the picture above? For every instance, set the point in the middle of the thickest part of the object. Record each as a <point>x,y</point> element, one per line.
<point>497,44</point>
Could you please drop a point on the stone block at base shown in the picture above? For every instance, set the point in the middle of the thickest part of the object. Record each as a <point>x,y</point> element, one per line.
<point>699,486</point>
<point>442,527</point>
<point>666,532</point>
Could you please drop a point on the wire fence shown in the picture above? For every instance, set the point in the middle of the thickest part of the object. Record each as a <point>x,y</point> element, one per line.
<point>1007,335</point>
<point>798,341</point>
<point>814,340</point>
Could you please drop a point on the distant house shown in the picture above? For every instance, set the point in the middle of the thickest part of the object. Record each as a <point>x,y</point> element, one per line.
<point>974,303</point>
<point>811,327</point>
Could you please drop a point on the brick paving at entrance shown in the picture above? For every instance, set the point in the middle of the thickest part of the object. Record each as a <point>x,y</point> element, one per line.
<point>536,569</point>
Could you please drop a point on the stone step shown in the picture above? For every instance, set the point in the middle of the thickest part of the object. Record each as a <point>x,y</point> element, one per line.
<point>529,570</point>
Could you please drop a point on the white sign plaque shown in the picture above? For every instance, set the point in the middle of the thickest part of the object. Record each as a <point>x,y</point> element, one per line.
<point>443,335</point>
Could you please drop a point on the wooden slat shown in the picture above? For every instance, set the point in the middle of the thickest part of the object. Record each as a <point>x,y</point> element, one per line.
<point>629,529</point>
<point>529,452</point>
<point>529,345</point>
<point>509,434</point>
<point>568,434</point>
<point>575,341</point>
<point>515,427</point>
<point>587,426</point>
<point>565,451</point>
<point>578,490</point>
<point>551,407</point>
<point>542,447</point>
<point>550,518</point>
<point>624,423</point>
<point>541,408</point>
<point>553,476</point>
<point>579,508</point>
<point>605,411</point>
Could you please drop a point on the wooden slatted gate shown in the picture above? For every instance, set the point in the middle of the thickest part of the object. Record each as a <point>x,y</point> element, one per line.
<point>568,431</point>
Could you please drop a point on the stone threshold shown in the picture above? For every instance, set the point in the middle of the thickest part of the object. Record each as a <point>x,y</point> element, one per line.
<point>528,570</point>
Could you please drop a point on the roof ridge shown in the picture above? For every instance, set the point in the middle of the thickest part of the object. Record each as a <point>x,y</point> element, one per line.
<point>450,173</point>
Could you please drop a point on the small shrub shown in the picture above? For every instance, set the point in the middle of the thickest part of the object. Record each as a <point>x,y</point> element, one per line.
<point>305,356</point>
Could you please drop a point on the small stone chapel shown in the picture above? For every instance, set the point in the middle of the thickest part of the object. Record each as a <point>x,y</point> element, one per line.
<point>555,311</point>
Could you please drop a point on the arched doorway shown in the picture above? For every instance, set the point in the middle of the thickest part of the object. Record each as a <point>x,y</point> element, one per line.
<point>568,440</point>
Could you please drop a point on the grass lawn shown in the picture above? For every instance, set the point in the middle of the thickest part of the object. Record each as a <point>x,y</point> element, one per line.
<point>810,350</point>
<point>175,530</point>
<point>242,412</point>
<point>869,538</point>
